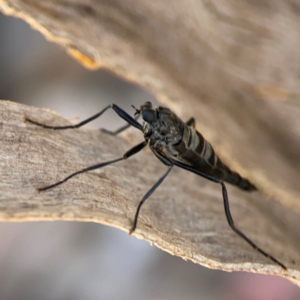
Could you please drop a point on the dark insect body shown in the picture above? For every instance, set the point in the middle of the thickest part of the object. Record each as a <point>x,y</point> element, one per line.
<point>174,143</point>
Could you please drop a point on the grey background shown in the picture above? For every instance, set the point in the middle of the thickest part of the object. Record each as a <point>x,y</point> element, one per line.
<point>69,260</point>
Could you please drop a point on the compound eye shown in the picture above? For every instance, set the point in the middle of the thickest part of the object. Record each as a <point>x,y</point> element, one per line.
<point>149,115</point>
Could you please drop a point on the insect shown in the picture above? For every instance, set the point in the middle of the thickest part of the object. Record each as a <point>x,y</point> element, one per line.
<point>174,143</point>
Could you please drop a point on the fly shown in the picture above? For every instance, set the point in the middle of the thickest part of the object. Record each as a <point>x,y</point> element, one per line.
<point>174,143</point>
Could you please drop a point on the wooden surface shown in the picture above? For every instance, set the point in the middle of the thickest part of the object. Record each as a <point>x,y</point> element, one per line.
<point>235,67</point>
<point>184,216</point>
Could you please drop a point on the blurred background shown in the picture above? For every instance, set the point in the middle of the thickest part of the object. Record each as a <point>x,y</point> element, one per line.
<point>72,260</point>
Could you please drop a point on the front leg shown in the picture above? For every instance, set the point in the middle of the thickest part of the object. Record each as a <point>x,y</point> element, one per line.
<point>122,113</point>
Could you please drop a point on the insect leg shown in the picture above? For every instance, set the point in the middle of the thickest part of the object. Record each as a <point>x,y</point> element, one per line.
<point>129,153</point>
<point>240,233</point>
<point>162,157</point>
<point>148,194</point>
<point>191,169</point>
<point>191,122</point>
<point>123,114</point>
<point>120,129</point>
<point>227,210</point>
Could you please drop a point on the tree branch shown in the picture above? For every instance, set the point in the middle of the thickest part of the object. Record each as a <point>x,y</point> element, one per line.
<point>184,216</point>
<point>223,64</point>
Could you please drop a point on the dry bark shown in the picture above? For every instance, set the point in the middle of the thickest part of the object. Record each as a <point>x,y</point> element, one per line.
<point>229,65</point>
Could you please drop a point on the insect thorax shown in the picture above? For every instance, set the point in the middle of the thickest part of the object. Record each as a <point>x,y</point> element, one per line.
<point>165,131</point>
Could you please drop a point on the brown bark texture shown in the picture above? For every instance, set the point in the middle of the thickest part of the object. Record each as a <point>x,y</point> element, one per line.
<point>234,66</point>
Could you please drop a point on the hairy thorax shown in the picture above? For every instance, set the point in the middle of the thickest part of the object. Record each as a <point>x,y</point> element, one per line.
<point>165,131</point>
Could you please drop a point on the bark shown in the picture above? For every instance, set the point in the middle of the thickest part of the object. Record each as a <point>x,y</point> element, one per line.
<point>234,66</point>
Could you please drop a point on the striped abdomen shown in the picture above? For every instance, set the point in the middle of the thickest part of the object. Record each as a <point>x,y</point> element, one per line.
<point>194,150</point>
